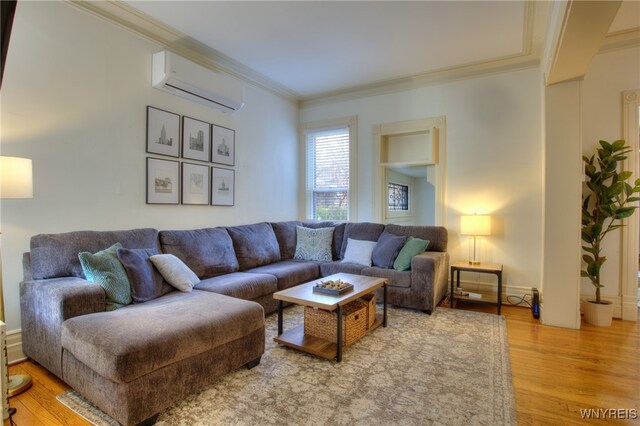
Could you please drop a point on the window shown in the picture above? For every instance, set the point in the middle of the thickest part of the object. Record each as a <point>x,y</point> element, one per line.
<point>398,197</point>
<point>329,174</point>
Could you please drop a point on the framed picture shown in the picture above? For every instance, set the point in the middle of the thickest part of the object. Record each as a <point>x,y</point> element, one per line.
<point>222,187</point>
<point>196,141</point>
<point>163,132</point>
<point>195,184</point>
<point>223,150</point>
<point>163,181</point>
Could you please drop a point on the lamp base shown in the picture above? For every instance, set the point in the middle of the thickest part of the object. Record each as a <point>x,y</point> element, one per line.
<point>18,384</point>
<point>474,262</point>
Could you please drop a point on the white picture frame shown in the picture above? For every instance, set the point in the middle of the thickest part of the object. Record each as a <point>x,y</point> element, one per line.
<point>163,132</point>
<point>223,146</point>
<point>222,186</point>
<point>195,184</point>
<point>163,181</point>
<point>196,139</point>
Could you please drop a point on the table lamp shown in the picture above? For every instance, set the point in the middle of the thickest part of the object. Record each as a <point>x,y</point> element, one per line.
<point>475,225</point>
<point>16,181</point>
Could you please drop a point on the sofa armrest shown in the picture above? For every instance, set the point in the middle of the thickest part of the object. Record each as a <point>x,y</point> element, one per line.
<point>429,276</point>
<point>45,305</point>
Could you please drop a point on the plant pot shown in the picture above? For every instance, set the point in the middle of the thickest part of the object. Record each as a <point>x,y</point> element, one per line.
<point>598,313</point>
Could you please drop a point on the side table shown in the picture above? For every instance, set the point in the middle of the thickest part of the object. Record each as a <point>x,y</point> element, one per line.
<point>486,268</point>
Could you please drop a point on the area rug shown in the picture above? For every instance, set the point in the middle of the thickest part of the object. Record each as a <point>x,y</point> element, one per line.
<point>450,368</point>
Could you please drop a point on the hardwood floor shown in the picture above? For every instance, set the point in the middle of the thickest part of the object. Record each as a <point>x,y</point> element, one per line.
<point>556,373</point>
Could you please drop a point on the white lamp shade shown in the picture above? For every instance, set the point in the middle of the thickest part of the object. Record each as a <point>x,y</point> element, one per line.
<point>475,225</point>
<point>16,178</point>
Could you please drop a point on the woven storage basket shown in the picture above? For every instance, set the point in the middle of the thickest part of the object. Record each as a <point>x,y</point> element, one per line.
<point>370,301</point>
<point>322,324</point>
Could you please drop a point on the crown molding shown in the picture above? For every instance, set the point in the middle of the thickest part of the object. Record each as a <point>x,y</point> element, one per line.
<point>621,40</point>
<point>535,22</point>
<point>121,14</point>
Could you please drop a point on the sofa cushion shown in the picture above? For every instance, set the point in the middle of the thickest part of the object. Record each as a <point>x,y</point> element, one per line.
<point>338,235</point>
<point>135,340</point>
<point>289,272</point>
<point>207,252</point>
<point>412,248</point>
<point>255,245</point>
<point>104,269</point>
<point>360,231</point>
<point>146,281</point>
<point>436,235</point>
<point>56,255</point>
<point>314,244</point>
<point>396,278</point>
<point>175,271</point>
<point>336,267</point>
<point>387,249</point>
<point>359,252</point>
<point>242,285</point>
<point>285,233</point>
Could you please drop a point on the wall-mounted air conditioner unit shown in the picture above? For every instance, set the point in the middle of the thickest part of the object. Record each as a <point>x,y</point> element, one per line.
<point>175,74</point>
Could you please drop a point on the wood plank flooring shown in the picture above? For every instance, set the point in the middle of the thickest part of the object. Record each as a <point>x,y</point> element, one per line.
<point>556,373</point>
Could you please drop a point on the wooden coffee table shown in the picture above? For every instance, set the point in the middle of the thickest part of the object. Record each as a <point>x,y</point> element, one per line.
<point>304,295</point>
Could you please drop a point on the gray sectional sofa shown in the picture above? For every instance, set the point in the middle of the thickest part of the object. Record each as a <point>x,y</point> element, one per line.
<point>136,361</point>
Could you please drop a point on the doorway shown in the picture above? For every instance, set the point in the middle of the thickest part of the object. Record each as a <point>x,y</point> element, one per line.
<point>410,171</point>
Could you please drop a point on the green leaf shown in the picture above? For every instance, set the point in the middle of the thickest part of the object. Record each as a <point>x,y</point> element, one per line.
<point>616,189</point>
<point>593,269</point>
<point>618,145</point>
<point>633,199</point>
<point>584,274</point>
<point>606,146</point>
<point>624,175</point>
<point>587,259</point>
<point>591,250</point>
<point>623,212</point>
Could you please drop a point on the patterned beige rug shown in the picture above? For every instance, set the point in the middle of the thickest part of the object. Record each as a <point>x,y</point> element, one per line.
<point>450,368</point>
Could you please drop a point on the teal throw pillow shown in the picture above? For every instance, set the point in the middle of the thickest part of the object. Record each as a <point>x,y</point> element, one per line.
<point>104,269</point>
<point>314,244</point>
<point>412,248</point>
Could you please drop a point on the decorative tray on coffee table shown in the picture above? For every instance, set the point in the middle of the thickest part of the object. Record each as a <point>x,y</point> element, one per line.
<point>333,287</point>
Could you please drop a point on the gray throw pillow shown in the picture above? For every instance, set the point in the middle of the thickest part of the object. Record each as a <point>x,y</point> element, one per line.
<point>314,244</point>
<point>387,249</point>
<point>175,272</point>
<point>146,281</point>
<point>359,252</point>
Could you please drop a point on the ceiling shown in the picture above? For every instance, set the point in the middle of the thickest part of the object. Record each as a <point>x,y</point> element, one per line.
<point>315,48</point>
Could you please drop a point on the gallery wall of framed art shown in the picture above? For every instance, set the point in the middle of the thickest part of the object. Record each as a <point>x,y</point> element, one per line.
<point>181,180</point>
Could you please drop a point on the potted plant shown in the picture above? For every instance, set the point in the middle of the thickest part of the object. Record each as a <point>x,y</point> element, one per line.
<point>609,199</point>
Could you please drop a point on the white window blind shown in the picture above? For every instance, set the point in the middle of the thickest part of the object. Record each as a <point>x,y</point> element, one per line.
<point>328,173</point>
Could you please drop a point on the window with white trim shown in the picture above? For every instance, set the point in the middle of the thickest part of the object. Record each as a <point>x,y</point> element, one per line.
<point>329,183</point>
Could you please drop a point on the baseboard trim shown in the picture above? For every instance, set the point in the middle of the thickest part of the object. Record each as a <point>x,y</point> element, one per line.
<point>507,290</point>
<point>14,347</point>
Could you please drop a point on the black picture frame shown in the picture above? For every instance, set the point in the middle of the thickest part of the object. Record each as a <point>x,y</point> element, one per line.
<point>195,184</point>
<point>163,181</point>
<point>163,132</point>
<point>223,186</point>
<point>196,139</point>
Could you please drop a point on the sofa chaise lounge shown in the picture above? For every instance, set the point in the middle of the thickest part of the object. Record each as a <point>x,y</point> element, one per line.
<point>138,360</point>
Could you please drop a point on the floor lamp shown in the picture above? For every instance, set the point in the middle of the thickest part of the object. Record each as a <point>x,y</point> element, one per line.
<point>16,181</point>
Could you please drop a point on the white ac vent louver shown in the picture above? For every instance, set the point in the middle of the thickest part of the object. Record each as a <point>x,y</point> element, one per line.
<point>175,74</point>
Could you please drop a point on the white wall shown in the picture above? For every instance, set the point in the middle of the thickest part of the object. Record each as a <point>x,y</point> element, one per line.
<point>601,107</point>
<point>494,152</point>
<point>74,100</point>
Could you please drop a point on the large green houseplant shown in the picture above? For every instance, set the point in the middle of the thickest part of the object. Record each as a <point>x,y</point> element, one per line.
<point>609,199</point>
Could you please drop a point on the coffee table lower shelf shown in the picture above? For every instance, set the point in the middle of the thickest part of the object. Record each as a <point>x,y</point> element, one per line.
<point>295,338</point>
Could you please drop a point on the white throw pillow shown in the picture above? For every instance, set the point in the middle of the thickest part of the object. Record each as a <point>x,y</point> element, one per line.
<point>175,272</point>
<point>359,252</point>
